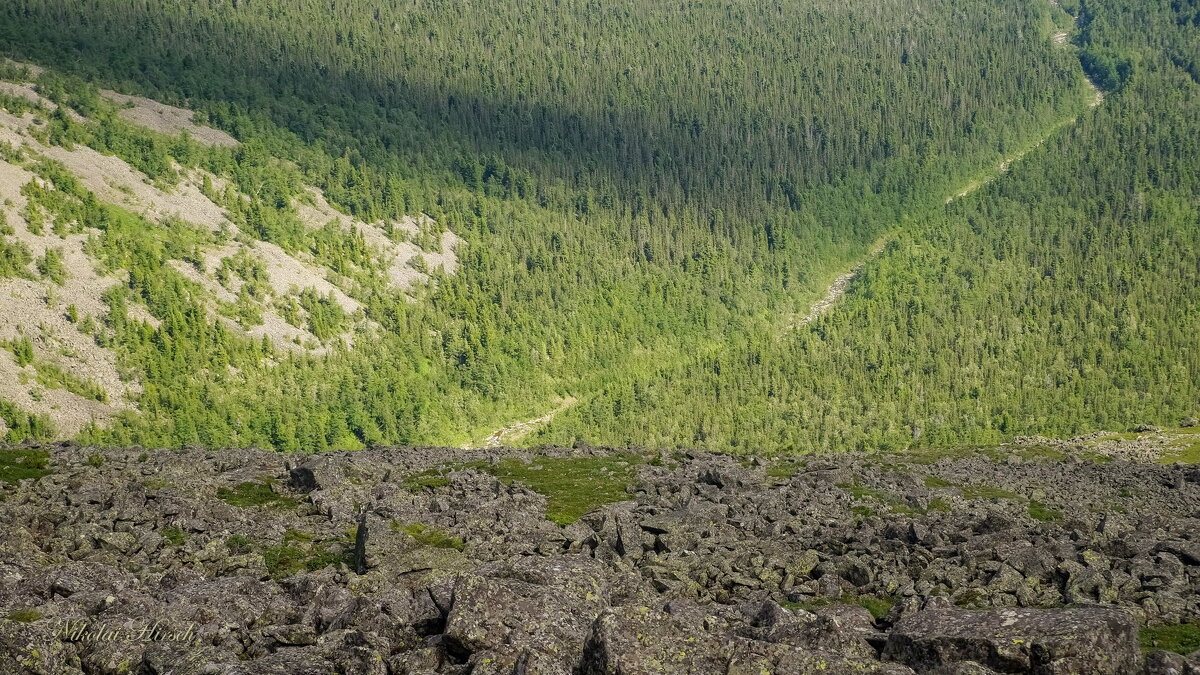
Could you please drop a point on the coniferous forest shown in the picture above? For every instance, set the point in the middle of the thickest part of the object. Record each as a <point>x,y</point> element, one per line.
<point>649,199</point>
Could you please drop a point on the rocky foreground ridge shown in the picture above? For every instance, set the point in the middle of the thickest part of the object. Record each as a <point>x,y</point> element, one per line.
<point>1037,557</point>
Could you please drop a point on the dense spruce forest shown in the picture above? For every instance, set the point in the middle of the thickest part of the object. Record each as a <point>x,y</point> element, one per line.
<point>647,195</point>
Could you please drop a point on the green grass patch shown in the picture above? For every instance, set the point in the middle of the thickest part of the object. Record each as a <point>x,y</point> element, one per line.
<point>572,485</point>
<point>1187,452</point>
<point>239,544</point>
<point>878,607</point>
<point>173,536</point>
<point>1181,638</point>
<point>296,536</point>
<point>19,464</point>
<point>933,455</point>
<point>24,615</point>
<point>987,492</point>
<point>785,468</point>
<point>1039,511</point>
<point>428,536</point>
<point>430,478</point>
<point>250,494</point>
<point>935,482</point>
<point>293,557</point>
<point>1041,452</point>
<point>893,503</point>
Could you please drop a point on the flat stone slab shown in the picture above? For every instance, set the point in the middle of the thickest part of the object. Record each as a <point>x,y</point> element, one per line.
<point>1083,641</point>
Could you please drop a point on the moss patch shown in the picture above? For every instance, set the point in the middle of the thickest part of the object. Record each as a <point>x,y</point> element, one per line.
<point>1182,638</point>
<point>239,544</point>
<point>987,492</point>
<point>935,482</point>
<point>893,503</point>
<point>1186,450</point>
<point>19,464</point>
<point>1039,511</point>
<point>1041,452</point>
<point>249,494</point>
<point>173,536</point>
<point>786,468</point>
<point>24,615</point>
<point>572,485</point>
<point>429,478</point>
<point>878,607</point>
<point>293,557</point>
<point>428,536</point>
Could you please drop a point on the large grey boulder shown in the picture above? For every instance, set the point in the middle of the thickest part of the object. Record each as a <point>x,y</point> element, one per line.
<point>640,640</point>
<point>1077,641</point>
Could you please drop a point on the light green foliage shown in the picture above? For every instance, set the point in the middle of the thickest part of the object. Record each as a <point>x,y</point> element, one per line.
<point>55,377</point>
<point>14,258</point>
<point>298,552</point>
<point>22,350</point>
<point>431,478</point>
<point>51,266</point>
<point>239,544</point>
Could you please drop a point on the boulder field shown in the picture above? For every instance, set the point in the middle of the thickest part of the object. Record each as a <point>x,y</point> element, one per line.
<point>1017,559</point>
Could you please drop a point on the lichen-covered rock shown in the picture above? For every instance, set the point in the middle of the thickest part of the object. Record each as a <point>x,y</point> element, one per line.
<point>245,561</point>
<point>1077,641</point>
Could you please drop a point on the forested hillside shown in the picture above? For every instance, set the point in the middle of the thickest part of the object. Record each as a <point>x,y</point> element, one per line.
<point>638,199</point>
<point>1061,298</point>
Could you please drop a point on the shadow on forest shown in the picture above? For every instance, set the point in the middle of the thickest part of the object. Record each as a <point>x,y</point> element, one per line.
<point>428,127</point>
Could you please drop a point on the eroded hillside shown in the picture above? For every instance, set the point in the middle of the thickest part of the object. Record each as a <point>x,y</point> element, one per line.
<point>66,178</point>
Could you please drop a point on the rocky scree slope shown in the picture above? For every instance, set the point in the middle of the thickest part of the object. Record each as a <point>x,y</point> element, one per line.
<point>1032,557</point>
